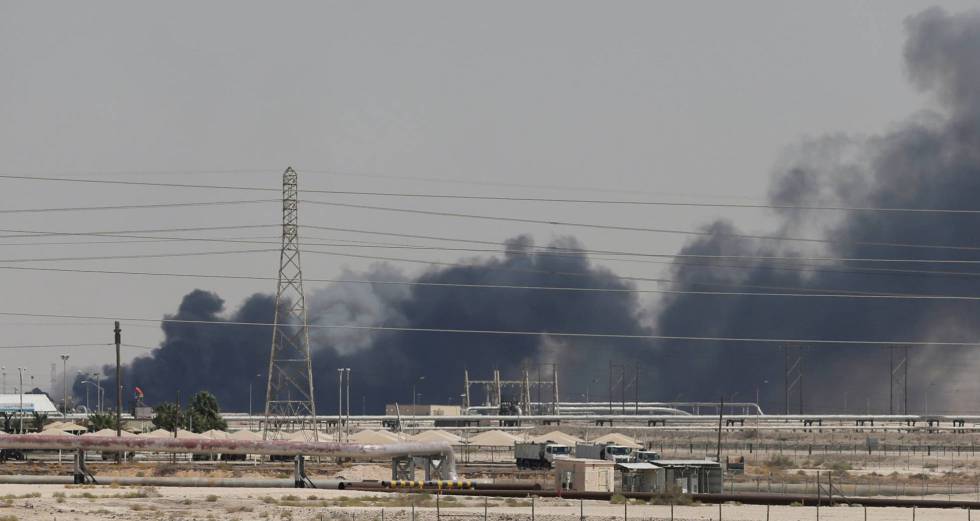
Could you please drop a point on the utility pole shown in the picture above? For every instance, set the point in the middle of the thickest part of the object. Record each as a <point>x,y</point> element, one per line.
<point>622,388</point>
<point>721,415</point>
<point>20,372</point>
<point>176,425</point>
<point>118,333</point>
<point>347,424</point>
<point>340,401</point>
<point>891,380</point>
<point>64,363</point>
<point>801,380</point>
<point>636,389</point>
<point>610,386</point>
<point>786,380</point>
<point>905,393</point>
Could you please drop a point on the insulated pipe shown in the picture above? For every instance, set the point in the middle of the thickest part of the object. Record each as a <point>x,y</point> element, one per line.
<point>750,499</point>
<point>170,482</point>
<point>441,450</point>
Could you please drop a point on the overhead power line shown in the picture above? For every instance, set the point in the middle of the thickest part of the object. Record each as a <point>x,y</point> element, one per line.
<point>700,233</point>
<point>851,295</point>
<point>553,251</point>
<point>38,346</point>
<point>797,265</point>
<point>138,256</point>
<point>34,233</point>
<point>134,206</point>
<point>853,270</point>
<point>504,218</point>
<point>367,175</point>
<point>565,334</point>
<point>472,197</point>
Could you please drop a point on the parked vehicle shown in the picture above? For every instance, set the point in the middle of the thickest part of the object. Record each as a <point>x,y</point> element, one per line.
<point>646,456</point>
<point>604,451</point>
<point>533,455</point>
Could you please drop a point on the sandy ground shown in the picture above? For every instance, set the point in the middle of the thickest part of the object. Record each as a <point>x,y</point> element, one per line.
<point>56,502</point>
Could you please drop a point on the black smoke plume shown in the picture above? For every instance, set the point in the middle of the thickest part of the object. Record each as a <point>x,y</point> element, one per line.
<point>225,359</point>
<point>932,160</point>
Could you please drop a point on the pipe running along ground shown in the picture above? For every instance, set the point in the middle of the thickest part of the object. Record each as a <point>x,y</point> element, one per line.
<point>436,450</point>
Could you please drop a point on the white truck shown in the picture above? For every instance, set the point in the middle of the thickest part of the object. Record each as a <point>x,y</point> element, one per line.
<point>535,455</point>
<point>646,456</point>
<point>604,451</point>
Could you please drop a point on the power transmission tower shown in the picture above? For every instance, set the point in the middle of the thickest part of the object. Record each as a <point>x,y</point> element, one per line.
<point>903,364</point>
<point>792,376</point>
<point>289,395</point>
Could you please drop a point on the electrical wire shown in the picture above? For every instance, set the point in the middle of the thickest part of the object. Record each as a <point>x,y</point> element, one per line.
<point>135,206</point>
<point>139,256</point>
<point>524,220</point>
<point>34,233</point>
<point>799,266</point>
<point>502,218</point>
<point>53,345</point>
<point>558,252</point>
<point>471,197</point>
<point>852,295</point>
<point>360,176</point>
<point>566,334</point>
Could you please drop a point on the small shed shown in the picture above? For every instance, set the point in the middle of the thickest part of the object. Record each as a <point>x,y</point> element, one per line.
<point>584,475</point>
<point>641,477</point>
<point>693,476</point>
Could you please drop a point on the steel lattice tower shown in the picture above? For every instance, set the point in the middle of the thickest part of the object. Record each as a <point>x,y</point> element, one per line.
<point>289,395</point>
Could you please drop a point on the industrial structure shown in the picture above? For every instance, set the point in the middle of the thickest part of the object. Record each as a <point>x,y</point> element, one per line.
<point>289,401</point>
<point>493,391</point>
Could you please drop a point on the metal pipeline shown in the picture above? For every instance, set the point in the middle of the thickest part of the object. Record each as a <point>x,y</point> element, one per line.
<point>170,482</point>
<point>753,499</point>
<point>441,450</point>
<point>451,485</point>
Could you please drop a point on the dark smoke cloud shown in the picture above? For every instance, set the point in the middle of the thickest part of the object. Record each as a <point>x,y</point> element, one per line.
<point>224,359</point>
<point>930,161</point>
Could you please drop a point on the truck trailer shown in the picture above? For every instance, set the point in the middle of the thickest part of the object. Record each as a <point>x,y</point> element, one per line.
<point>604,451</point>
<point>535,455</point>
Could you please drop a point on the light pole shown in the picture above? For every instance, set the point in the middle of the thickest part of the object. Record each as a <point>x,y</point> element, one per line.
<point>414,394</point>
<point>250,382</point>
<point>347,423</point>
<point>64,371</point>
<point>340,401</point>
<point>99,392</point>
<point>764,382</point>
<point>86,393</point>
<point>20,372</point>
<point>3,369</point>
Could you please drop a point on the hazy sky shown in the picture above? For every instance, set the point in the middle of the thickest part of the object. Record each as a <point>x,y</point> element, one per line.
<point>654,100</point>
